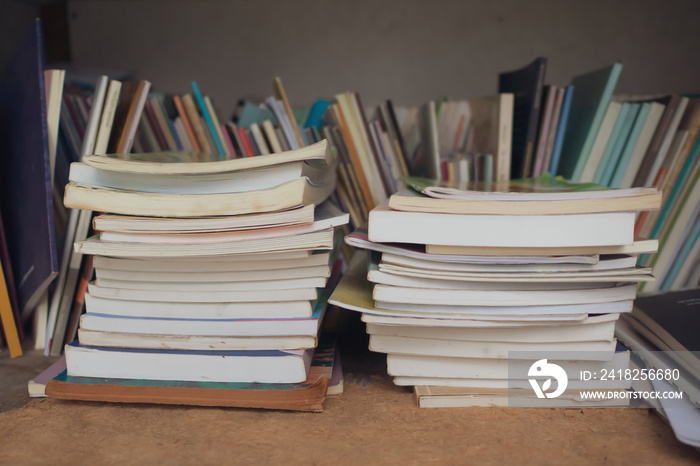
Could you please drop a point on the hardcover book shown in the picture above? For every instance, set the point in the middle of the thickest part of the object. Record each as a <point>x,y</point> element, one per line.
<point>25,180</point>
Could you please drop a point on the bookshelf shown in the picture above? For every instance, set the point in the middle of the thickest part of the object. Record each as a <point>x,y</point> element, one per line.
<point>388,61</point>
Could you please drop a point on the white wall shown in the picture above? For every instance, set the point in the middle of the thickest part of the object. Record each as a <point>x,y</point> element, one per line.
<point>407,50</point>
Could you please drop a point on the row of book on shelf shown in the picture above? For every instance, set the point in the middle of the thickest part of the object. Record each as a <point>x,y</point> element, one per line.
<point>220,237</point>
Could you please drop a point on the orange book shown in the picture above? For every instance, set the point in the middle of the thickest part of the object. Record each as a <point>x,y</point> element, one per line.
<point>352,152</point>
<point>193,117</point>
<point>7,319</point>
<point>245,142</point>
<point>186,121</point>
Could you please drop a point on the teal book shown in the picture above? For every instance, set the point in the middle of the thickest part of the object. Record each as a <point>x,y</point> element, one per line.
<point>316,112</point>
<point>250,113</point>
<point>682,255</point>
<point>208,119</point>
<point>669,202</point>
<point>561,129</point>
<point>304,396</point>
<point>590,101</point>
<point>631,143</point>
<point>619,144</point>
<point>614,135</point>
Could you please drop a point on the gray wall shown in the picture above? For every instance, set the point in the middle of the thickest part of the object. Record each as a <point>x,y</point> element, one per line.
<point>406,50</point>
<point>16,18</point>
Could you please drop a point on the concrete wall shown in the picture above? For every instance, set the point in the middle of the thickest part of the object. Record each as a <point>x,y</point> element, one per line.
<point>406,50</point>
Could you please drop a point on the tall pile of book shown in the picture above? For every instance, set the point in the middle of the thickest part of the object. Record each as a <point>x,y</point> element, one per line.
<point>206,271</point>
<point>462,281</point>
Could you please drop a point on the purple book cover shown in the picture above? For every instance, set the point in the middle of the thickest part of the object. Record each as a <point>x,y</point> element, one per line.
<point>25,181</point>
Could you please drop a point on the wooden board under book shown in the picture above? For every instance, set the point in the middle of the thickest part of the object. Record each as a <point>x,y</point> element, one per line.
<point>306,396</point>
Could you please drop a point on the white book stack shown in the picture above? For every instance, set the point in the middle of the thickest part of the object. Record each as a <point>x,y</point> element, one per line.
<point>205,270</point>
<point>466,289</point>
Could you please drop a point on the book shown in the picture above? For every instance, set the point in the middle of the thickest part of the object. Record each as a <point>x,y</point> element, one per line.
<point>670,318</point>
<point>359,239</point>
<point>195,342</point>
<point>647,132</point>
<point>298,294</point>
<point>640,246</point>
<point>600,229</point>
<point>492,128</point>
<point>261,366</point>
<point>8,320</point>
<point>130,224</point>
<point>561,129</point>
<point>37,386</point>
<point>619,146</point>
<point>293,194</point>
<point>326,216</point>
<point>217,147</point>
<point>196,266</point>
<point>526,85</point>
<point>25,181</point>
<point>132,100</point>
<point>426,296</point>
<point>427,162</point>
<point>562,333</point>
<point>588,106</point>
<point>308,395</point>
<point>404,365</point>
<point>595,350</point>
<point>534,196</point>
<point>549,95</point>
<point>207,183</point>
<point>598,157</point>
<point>455,397</point>
<point>552,133</point>
<point>202,310</point>
<point>211,278</point>
<point>661,142</point>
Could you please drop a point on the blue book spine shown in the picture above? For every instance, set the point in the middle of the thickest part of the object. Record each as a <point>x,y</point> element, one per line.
<point>609,147</point>
<point>682,255</point>
<point>630,145</point>
<point>315,118</point>
<point>561,129</point>
<point>668,203</point>
<point>207,118</point>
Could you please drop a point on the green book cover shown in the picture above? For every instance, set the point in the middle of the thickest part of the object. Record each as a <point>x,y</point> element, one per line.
<point>590,101</point>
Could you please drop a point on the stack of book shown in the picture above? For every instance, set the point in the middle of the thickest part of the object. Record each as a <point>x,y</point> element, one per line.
<point>206,271</point>
<point>460,282</point>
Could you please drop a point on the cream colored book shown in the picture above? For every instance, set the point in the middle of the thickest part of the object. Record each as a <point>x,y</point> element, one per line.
<point>242,274</point>
<point>639,246</point>
<point>194,342</point>
<point>320,240</point>
<point>292,194</point>
<point>201,310</point>
<point>459,397</point>
<point>416,296</point>
<point>129,224</point>
<point>224,264</point>
<point>636,199</point>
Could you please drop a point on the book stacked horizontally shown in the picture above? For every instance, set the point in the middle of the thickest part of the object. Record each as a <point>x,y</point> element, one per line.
<point>461,284</point>
<point>206,271</point>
